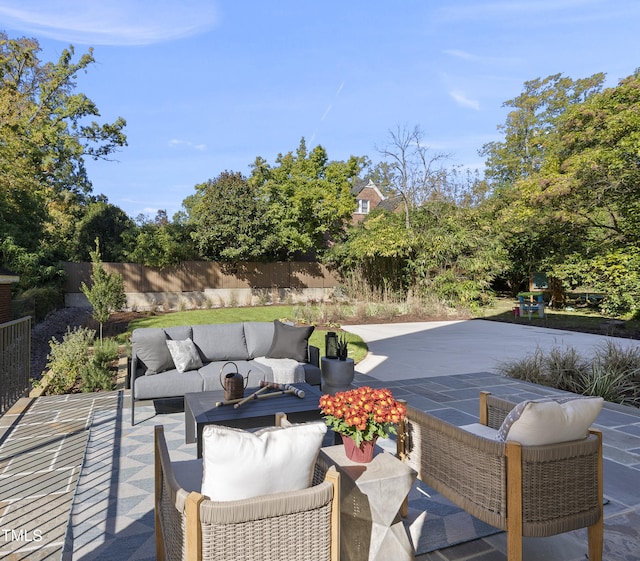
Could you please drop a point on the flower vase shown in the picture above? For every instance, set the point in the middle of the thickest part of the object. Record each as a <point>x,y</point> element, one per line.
<point>362,454</point>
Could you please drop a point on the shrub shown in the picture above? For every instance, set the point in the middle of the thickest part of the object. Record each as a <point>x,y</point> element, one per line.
<point>67,358</point>
<point>105,352</point>
<point>45,299</point>
<point>612,373</point>
<point>96,377</point>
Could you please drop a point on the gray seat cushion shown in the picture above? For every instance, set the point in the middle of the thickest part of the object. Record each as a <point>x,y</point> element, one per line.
<point>167,384</point>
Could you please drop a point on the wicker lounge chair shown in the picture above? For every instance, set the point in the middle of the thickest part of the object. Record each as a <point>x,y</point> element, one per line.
<point>532,491</point>
<point>297,525</point>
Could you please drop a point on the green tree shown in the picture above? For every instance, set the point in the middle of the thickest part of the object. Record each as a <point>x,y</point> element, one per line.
<point>160,242</point>
<point>528,125</point>
<point>308,198</point>
<point>530,229</point>
<point>107,222</point>
<point>47,131</point>
<point>106,294</point>
<point>228,219</point>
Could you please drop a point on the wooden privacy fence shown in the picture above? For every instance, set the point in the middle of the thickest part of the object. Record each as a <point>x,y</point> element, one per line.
<point>15,361</point>
<point>194,276</point>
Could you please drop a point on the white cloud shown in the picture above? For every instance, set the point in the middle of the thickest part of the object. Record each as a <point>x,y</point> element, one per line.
<point>471,57</point>
<point>188,144</point>
<point>118,22</point>
<point>464,101</point>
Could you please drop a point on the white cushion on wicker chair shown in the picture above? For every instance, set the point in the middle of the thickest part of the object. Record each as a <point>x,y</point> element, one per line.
<point>239,464</point>
<point>549,421</point>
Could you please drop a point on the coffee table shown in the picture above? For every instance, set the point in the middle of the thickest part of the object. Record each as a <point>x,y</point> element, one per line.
<point>200,410</point>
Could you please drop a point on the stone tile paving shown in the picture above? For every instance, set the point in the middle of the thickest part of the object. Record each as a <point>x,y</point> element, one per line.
<point>449,398</point>
<point>42,446</point>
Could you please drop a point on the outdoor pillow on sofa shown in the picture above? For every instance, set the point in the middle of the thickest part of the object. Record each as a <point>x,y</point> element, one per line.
<point>290,342</point>
<point>550,420</point>
<point>238,464</point>
<point>184,354</point>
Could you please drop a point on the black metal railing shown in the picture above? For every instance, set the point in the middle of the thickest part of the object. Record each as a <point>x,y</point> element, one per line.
<point>15,361</point>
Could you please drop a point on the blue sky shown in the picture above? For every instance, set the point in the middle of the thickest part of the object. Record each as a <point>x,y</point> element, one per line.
<point>209,85</point>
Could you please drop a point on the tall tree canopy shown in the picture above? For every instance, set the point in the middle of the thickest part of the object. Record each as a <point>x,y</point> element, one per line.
<point>308,199</point>
<point>228,219</point>
<point>46,132</point>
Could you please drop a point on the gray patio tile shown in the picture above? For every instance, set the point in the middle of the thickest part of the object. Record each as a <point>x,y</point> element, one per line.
<point>463,394</point>
<point>611,418</point>
<point>618,439</point>
<point>454,416</point>
<point>631,429</point>
<point>621,482</point>
<point>624,457</point>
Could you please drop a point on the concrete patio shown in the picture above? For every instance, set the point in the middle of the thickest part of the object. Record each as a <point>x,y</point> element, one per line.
<point>437,368</point>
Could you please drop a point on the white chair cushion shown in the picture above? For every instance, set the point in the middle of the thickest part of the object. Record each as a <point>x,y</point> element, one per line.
<point>481,430</point>
<point>240,465</point>
<point>549,421</point>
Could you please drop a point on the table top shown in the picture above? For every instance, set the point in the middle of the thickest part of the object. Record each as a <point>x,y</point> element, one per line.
<point>384,466</point>
<point>203,405</point>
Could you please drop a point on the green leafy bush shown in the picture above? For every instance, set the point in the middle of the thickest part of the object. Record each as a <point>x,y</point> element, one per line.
<point>67,358</point>
<point>105,352</point>
<point>45,299</point>
<point>96,377</point>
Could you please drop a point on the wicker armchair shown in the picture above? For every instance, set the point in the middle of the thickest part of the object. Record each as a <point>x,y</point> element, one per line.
<point>531,491</point>
<point>286,526</point>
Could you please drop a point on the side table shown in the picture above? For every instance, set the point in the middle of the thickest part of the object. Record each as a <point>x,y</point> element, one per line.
<point>370,499</point>
<point>337,374</point>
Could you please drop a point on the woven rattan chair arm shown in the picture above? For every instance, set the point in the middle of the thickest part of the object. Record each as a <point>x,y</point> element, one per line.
<point>497,410</point>
<point>466,468</point>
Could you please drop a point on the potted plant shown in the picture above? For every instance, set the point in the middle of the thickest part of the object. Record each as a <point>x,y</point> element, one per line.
<point>360,416</point>
<point>342,347</point>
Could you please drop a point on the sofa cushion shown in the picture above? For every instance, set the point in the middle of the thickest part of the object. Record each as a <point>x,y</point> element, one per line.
<point>150,344</point>
<point>184,354</point>
<point>240,465</point>
<point>167,384</point>
<point>550,420</point>
<point>259,336</point>
<point>179,332</point>
<point>223,341</point>
<point>290,342</point>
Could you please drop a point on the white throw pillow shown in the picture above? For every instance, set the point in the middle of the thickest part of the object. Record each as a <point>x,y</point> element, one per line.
<point>549,421</point>
<point>239,464</point>
<point>184,354</point>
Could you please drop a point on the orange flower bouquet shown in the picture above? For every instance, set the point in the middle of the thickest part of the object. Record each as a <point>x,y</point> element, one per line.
<point>364,414</point>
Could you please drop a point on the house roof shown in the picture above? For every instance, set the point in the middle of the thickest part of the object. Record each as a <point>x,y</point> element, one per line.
<point>360,185</point>
<point>391,203</point>
<point>7,276</point>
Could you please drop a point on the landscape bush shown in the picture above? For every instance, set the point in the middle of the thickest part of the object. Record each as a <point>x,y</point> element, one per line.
<point>72,360</point>
<point>67,358</point>
<point>612,373</point>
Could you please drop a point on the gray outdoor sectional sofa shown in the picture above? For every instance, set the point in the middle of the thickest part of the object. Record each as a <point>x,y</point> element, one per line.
<point>169,362</point>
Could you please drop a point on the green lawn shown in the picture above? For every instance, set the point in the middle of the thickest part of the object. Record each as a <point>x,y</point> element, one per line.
<point>357,347</point>
<point>585,320</point>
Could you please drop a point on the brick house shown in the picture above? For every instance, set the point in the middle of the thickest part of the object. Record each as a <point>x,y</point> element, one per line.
<point>368,197</point>
<point>6,279</point>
